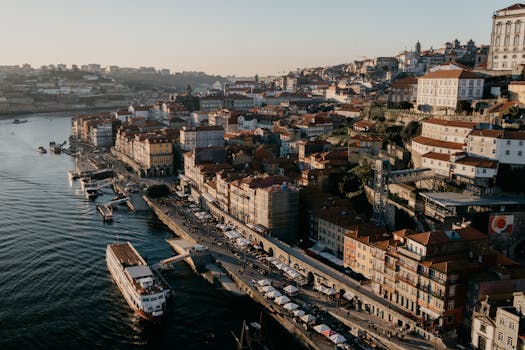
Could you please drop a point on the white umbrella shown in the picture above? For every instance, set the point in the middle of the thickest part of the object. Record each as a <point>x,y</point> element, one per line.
<point>321,328</point>
<point>283,299</point>
<point>274,294</point>
<point>267,289</point>
<point>308,318</point>
<point>263,282</point>
<point>349,295</point>
<point>290,289</point>
<point>337,338</point>
<point>290,306</point>
<point>330,291</point>
<point>298,313</point>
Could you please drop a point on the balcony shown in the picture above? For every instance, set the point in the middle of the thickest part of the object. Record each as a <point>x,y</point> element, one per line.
<point>407,280</point>
<point>409,253</point>
<point>431,291</point>
<point>400,263</point>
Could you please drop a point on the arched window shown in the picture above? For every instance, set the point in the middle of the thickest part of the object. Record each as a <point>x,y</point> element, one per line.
<point>498,28</point>
<point>498,41</point>
<point>516,40</point>
<point>517,26</point>
<point>507,28</point>
<point>507,41</point>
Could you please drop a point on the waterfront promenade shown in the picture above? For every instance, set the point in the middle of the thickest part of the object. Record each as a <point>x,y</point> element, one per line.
<point>362,327</point>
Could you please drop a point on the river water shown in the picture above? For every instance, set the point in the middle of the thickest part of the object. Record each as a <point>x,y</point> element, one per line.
<point>55,290</point>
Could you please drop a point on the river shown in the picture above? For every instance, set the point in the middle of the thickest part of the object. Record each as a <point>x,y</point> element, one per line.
<point>55,290</point>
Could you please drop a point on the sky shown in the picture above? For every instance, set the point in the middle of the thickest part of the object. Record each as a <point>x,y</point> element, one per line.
<point>232,37</point>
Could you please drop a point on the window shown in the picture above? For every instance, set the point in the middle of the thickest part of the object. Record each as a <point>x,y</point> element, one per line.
<point>507,152</point>
<point>483,328</point>
<point>452,291</point>
<point>509,341</point>
<point>508,142</point>
<point>451,305</point>
<point>500,336</point>
<point>484,171</point>
<point>511,325</point>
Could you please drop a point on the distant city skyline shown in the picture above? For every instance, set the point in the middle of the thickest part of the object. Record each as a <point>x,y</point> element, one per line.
<point>236,37</point>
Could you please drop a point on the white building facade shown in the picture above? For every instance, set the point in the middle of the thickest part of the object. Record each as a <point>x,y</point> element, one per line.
<point>443,89</point>
<point>507,39</point>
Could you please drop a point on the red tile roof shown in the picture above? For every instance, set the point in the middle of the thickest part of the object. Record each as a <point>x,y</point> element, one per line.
<point>437,156</point>
<point>437,143</point>
<point>452,123</point>
<point>500,134</point>
<point>478,162</point>
<point>451,74</point>
<point>404,82</point>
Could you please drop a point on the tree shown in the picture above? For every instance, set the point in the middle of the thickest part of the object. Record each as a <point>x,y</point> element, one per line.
<point>410,130</point>
<point>514,112</point>
<point>464,106</point>
<point>353,181</point>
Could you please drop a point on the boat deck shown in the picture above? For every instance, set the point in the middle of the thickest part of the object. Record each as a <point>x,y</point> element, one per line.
<point>125,254</point>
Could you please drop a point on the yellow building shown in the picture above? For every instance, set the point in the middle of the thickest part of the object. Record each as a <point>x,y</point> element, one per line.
<point>154,153</point>
<point>517,91</point>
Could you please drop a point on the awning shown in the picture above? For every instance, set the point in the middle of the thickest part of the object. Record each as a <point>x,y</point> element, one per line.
<point>349,296</point>
<point>290,289</point>
<point>429,312</point>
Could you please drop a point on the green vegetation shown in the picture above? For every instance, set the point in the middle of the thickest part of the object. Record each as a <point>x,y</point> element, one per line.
<point>464,107</point>
<point>411,130</point>
<point>514,112</point>
<point>353,181</point>
<point>157,191</point>
<point>389,133</point>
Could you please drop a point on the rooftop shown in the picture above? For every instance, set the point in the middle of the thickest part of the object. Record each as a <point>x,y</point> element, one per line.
<point>452,123</point>
<point>451,74</point>
<point>427,141</point>
<point>453,199</point>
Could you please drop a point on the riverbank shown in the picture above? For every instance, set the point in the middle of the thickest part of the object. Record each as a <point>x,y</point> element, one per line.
<point>239,272</point>
<point>62,113</point>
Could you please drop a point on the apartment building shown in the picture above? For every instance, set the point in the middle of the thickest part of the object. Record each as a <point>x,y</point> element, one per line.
<point>507,38</point>
<point>500,327</point>
<point>460,165</point>
<point>423,273</point>
<point>192,137</point>
<point>403,90</point>
<point>442,89</point>
<point>447,130</point>
<point>101,134</point>
<point>505,146</point>
<point>422,145</point>
<point>154,152</point>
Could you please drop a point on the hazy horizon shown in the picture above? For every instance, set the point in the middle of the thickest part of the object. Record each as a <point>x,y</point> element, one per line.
<point>237,37</point>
